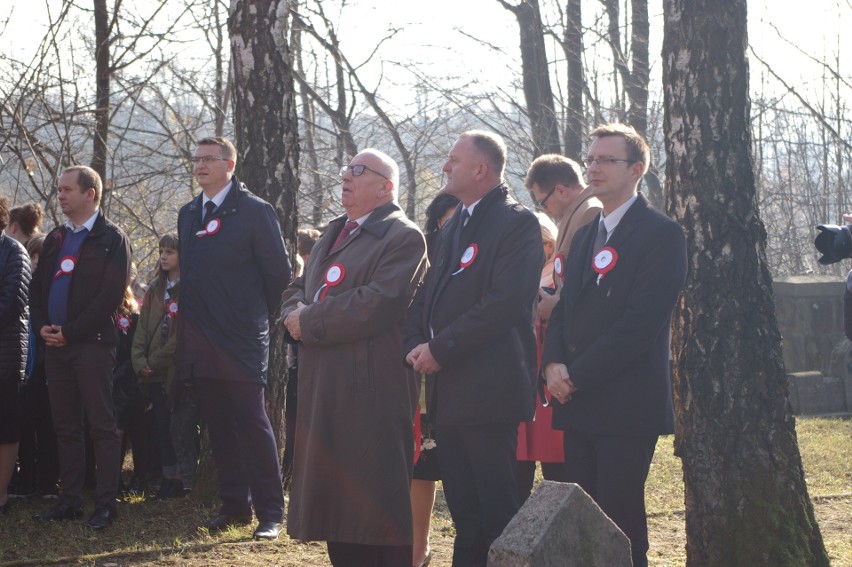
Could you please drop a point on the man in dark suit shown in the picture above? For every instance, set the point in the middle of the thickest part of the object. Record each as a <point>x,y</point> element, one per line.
<point>470,330</point>
<point>607,356</point>
<point>233,270</point>
<point>77,287</point>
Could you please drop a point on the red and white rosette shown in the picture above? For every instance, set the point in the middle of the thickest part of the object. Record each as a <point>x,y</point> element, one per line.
<point>171,308</point>
<point>604,261</point>
<point>468,256</point>
<point>333,276</point>
<point>123,324</point>
<point>559,267</point>
<point>212,227</point>
<point>66,266</point>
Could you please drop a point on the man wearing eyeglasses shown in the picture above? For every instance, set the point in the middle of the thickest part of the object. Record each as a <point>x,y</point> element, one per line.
<point>470,330</point>
<point>607,355</point>
<point>233,270</point>
<point>357,400</point>
<point>556,183</point>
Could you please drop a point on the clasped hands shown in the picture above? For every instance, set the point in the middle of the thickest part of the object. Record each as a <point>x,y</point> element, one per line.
<point>422,360</point>
<point>292,322</point>
<point>52,335</point>
<point>558,382</point>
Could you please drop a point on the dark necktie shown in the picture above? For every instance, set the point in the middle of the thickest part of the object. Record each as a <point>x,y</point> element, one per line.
<point>600,239</point>
<point>465,215</point>
<point>209,207</point>
<point>344,234</point>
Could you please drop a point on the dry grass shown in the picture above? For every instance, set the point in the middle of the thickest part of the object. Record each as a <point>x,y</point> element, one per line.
<point>154,533</point>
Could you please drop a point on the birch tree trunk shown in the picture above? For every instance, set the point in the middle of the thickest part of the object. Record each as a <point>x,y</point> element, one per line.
<point>746,498</point>
<point>267,140</point>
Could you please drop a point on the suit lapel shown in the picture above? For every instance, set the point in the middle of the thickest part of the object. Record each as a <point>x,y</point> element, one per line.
<point>620,235</point>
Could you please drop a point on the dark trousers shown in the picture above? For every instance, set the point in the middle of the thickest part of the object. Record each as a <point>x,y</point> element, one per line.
<point>243,447</point>
<point>361,555</point>
<point>141,435</point>
<point>38,461</point>
<point>612,469</point>
<point>525,472</point>
<point>478,472</point>
<point>80,379</point>
<point>163,418</point>
<point>186,435</point>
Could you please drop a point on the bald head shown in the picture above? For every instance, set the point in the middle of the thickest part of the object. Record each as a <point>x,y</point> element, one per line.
<point>369,181</point>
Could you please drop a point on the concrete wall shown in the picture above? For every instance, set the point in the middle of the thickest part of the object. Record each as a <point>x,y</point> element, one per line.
<point>817,355</point>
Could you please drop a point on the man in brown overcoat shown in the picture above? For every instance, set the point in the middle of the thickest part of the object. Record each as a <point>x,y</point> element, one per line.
<point>354,450</point>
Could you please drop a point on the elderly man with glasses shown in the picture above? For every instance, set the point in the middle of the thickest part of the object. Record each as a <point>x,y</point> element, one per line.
<point>357,400</point>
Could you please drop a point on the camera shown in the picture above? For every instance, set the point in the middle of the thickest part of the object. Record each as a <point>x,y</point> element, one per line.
<point>834,243</point>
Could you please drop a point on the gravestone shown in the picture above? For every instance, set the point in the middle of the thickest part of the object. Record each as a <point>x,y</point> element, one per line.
<point>560,526</point>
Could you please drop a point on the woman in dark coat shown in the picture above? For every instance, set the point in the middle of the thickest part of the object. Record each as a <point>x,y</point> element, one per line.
<point>15,277</point>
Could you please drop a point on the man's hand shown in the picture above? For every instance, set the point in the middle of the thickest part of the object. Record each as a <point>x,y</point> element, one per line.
<point>422,360</point>
<point>292,322</point>
<point>546,303</point>
<point>145,372</point>
<point>52,335</point>
<point>558,382</point>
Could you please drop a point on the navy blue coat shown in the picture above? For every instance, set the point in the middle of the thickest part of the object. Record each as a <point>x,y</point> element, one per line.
<point>231,284</point>
<point>14,312</point>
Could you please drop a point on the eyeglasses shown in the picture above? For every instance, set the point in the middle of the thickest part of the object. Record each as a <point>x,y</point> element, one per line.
<point>543,203</point>
<point>358,170</point>
<point>206,159</point>
<point>602,161</point>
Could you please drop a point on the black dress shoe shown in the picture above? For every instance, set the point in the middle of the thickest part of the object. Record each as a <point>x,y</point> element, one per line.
<point>222,522</point>
<point>267,530</point>
<point>4,509</point>
<point>60,512</point>
<point>101,518</point>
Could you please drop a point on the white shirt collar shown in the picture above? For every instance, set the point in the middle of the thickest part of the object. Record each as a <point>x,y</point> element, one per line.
<point>220,196</point>
<point>87,225</point>
<point>611,220</point>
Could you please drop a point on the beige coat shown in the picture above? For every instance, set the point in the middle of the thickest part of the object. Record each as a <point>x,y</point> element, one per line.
<point>583,213</point>
<point>354,447</point>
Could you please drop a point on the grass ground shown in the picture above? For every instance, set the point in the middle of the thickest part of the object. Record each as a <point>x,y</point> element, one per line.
<point>155,533</point>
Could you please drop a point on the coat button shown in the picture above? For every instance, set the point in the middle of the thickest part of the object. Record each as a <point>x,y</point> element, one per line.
<point>572,348</point>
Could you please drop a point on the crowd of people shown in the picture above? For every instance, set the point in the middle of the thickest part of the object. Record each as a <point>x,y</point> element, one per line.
<point>500,339</point>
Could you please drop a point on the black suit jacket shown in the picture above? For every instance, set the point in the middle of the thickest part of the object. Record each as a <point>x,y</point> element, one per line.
<point>481,317</point>
<point>615,337</point>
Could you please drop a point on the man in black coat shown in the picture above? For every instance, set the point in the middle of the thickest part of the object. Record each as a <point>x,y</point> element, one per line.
<point>470,330</point>
<point>79,283</point>
<point>233,270</point>
<point>607,355</point>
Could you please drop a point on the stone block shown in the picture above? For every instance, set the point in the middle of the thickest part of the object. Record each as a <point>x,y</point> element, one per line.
<point>560,526</point>
<point>817,394</point>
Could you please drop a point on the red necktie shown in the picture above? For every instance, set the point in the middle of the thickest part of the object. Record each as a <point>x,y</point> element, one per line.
<point>344,234</point>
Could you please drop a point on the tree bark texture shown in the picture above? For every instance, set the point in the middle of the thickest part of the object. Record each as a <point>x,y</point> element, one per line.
<point>575,122</point>
<point>103,74</point>
<point>746,498</point>
<point>267,140</point>
<point>536,78</point>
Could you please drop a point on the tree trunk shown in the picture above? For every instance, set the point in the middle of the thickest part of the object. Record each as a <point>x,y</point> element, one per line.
<point>573,46</point>
<point>746,498</point>
<point>536,78</point>
<point>267,140</point>
<point>103,73</point>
